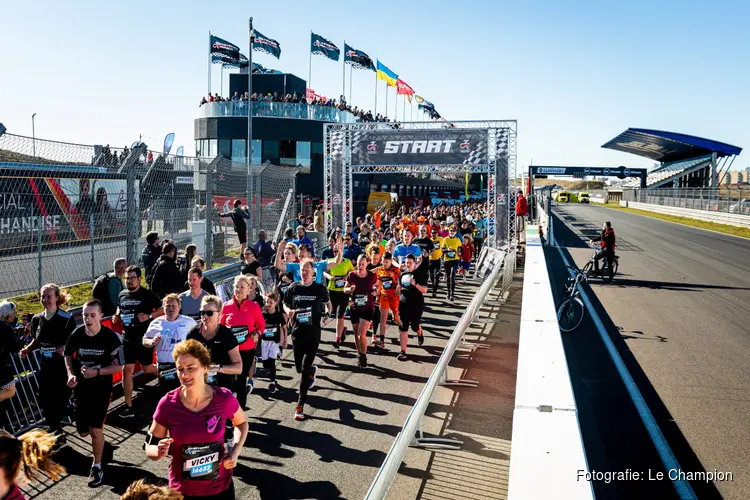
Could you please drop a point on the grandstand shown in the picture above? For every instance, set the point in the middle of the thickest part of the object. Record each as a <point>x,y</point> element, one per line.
<point>686,160</point>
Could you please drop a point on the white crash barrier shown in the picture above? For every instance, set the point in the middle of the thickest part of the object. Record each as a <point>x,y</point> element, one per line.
<point>546,446</point>
<point>704,215</point>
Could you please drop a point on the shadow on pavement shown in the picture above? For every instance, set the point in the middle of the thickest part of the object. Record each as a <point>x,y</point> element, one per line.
<point>614,436</point>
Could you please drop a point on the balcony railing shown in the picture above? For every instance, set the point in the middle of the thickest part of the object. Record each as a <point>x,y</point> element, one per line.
<point>277,110</point>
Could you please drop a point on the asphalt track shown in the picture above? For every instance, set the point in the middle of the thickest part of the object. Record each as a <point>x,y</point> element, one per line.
<point>353,417</point>
<point>678,314</point>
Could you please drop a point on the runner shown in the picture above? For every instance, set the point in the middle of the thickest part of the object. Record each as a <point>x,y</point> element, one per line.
<point>163,334</point>
<point>359,285</point>
<point>412,286</point>
<point>435,261</point>
<point>250,264</point>
<point>27,458</point>
<point>93,354</point>
<point>388,275</point>
<point>194,416</point>
<point>406,248</point>
<point>426,246</point>
<point>451,251</point>
<point>51,330</point>
<point>336,276</point>
<point>191,299</point>
<point>226,361</point>
<point>273,335</point>
<point>467,253</point>
<point>244,318</point>
<point>138,306</point>
<point>254,294</point>
<point>374,257</point>
<point>304,304</point>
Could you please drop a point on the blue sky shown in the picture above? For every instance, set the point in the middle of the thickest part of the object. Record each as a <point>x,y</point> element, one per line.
<point>574,74</point>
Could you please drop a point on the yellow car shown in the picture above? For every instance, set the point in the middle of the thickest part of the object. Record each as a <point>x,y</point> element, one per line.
<point>583,198</point>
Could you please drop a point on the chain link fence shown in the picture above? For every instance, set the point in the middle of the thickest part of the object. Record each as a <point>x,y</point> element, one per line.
<point>70,210</point>
<point>728,199</point>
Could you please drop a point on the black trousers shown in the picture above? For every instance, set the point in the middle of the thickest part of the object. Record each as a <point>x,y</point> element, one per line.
<point>603,254</point>
<point>227,494</point>
<point>450,275</point>
<point>54,393</point>
<point>304,356</point>
<point>434,271</point>
<point>240,382</point>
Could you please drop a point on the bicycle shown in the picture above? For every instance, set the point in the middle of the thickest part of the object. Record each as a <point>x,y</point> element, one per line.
<point>607,276</point>
<point>571,311</point>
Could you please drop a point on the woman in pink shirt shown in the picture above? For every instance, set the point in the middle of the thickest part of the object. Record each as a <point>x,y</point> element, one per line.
<point>244,317</point>
<point>193,417</point>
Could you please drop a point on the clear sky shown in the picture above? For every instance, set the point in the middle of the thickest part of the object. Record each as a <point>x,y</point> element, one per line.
<point>574,74</point>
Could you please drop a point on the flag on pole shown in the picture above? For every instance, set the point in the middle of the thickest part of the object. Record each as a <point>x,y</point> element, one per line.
<point>357,59</point>
<point>321,47</point>
<point>225,60</point>
<point>168,141</point>
<point>403,88</point>
<point>267,45</point>
<point>385,74</point>
<point>419,99</point>
<point>223,51</point>
<point>180,151</point>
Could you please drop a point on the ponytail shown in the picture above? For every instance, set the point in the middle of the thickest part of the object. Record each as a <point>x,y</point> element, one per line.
<point>31,454</point>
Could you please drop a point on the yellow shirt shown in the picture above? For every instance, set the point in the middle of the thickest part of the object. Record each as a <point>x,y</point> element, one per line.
<point>450,248</point>
<point>339,273</point>
<point>437,252</point>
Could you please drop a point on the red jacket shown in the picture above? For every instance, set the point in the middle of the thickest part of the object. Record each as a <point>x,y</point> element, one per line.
<point>246,314</point>
<point>522,206</point>
<point>467,252</point>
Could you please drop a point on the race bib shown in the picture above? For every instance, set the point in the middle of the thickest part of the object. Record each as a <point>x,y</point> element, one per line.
<point>451,254</point>
<point>167,371</point>
<point>48,352</point>
<point>406,280</point>
<point>304,315</point>
<point>240,333</point>
<point>360,300</point>
<point>284,287</point>
<point>201,461</point>
<point>269,333</point>
<point>127,319</point>
<point>340,282</point>
<point>387,283</point>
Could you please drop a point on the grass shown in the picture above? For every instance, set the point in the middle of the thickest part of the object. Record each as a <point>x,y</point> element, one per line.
<point>742,232</point>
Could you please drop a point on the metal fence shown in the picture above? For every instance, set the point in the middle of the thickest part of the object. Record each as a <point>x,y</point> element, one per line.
<point>733,200</point>
<point>496,266</point>
<point>69,210</point>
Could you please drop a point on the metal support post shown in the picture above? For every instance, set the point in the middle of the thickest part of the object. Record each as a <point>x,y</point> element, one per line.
<point>420,441</point>
<point>92,232</point>
<point>40,225</point>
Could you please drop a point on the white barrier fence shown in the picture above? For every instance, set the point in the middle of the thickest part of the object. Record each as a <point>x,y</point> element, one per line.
<point>546,439</point>
<point>704,215</point>
<point>491,266</point>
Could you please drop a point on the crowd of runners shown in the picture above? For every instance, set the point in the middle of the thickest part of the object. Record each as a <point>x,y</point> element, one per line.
<point>206,352</point>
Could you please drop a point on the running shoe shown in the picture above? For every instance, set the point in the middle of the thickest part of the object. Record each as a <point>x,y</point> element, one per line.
<point>272,389</point>
<point>402,356</point>
<point>299,413</point>
<point>374,340</point>
<point>420,339</point>
<point>364,361</point>
<point>96,477</point>
<point>127,412</point>
<point>336,344</point>
<point>343,336</point>
<point>312,376</point>
<point>250,386</point>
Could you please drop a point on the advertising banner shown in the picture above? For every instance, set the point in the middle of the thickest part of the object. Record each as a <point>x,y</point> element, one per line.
<point>419,147</point>
<point>62,203</point>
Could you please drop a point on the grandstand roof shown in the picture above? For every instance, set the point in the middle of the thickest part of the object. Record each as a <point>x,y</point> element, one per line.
<point>668,146</point>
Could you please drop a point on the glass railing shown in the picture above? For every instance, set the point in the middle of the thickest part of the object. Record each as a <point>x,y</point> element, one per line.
<point>277,110</point>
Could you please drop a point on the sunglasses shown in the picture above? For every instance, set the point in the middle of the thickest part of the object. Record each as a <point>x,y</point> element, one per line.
<point>208,313</point>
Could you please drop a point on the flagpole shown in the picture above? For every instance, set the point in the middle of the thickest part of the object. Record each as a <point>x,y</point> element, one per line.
<point>351,70</point>
<point>404,113</point>
<point>375,111</point>
<point>209,63</point>
<point>249,185</point>
<point>395,109</point>
<point>343,75</point>
<point>221,91</point>
<point>386,99</point>
<point>309,65</point>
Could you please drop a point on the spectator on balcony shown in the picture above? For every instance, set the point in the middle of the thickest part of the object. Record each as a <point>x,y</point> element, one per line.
<point>236,96</point>
<point>295,97</point>
<point>268,98</point>
<point>203,101</point>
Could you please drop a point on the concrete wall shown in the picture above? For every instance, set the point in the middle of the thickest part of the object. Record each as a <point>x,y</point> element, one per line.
<point>717,217</point>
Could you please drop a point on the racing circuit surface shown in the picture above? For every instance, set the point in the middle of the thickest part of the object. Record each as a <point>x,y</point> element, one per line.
<point>679,314</point>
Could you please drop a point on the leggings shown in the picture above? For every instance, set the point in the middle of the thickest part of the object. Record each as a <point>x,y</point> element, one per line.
<point>270,366</point>
<point>240,383</point>
<point>477,247</point>
<point>304,356</point>
<point>227,494</point>
<point>53,392</point>
<point>450,275</point>
<point>434,271</point>
<point>376,321</point>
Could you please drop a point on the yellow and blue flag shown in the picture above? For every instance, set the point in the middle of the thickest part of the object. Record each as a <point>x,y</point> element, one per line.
<point>383,73</point>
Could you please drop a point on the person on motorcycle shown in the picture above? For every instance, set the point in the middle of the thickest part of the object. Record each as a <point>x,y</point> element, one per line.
<point>607,246</point>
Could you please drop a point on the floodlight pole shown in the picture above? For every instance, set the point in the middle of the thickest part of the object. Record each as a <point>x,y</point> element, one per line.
<point>33,134</point>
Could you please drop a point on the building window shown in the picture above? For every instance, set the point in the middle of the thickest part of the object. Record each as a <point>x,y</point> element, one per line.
<point>303,157</point>
<point>238,150</point>
<point>317,150</point>
<point>270,151</point>
<point>225,148</point>
<point>288,153</point>
<point>212,150</point>
<point>257,158</point>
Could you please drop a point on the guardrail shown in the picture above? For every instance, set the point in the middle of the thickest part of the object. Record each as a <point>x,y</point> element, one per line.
<point>731,219</point>
<point>546,432</point>
<point>411,433</point>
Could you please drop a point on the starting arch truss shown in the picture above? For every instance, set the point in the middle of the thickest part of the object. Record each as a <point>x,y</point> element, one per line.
<point>475,147</point>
